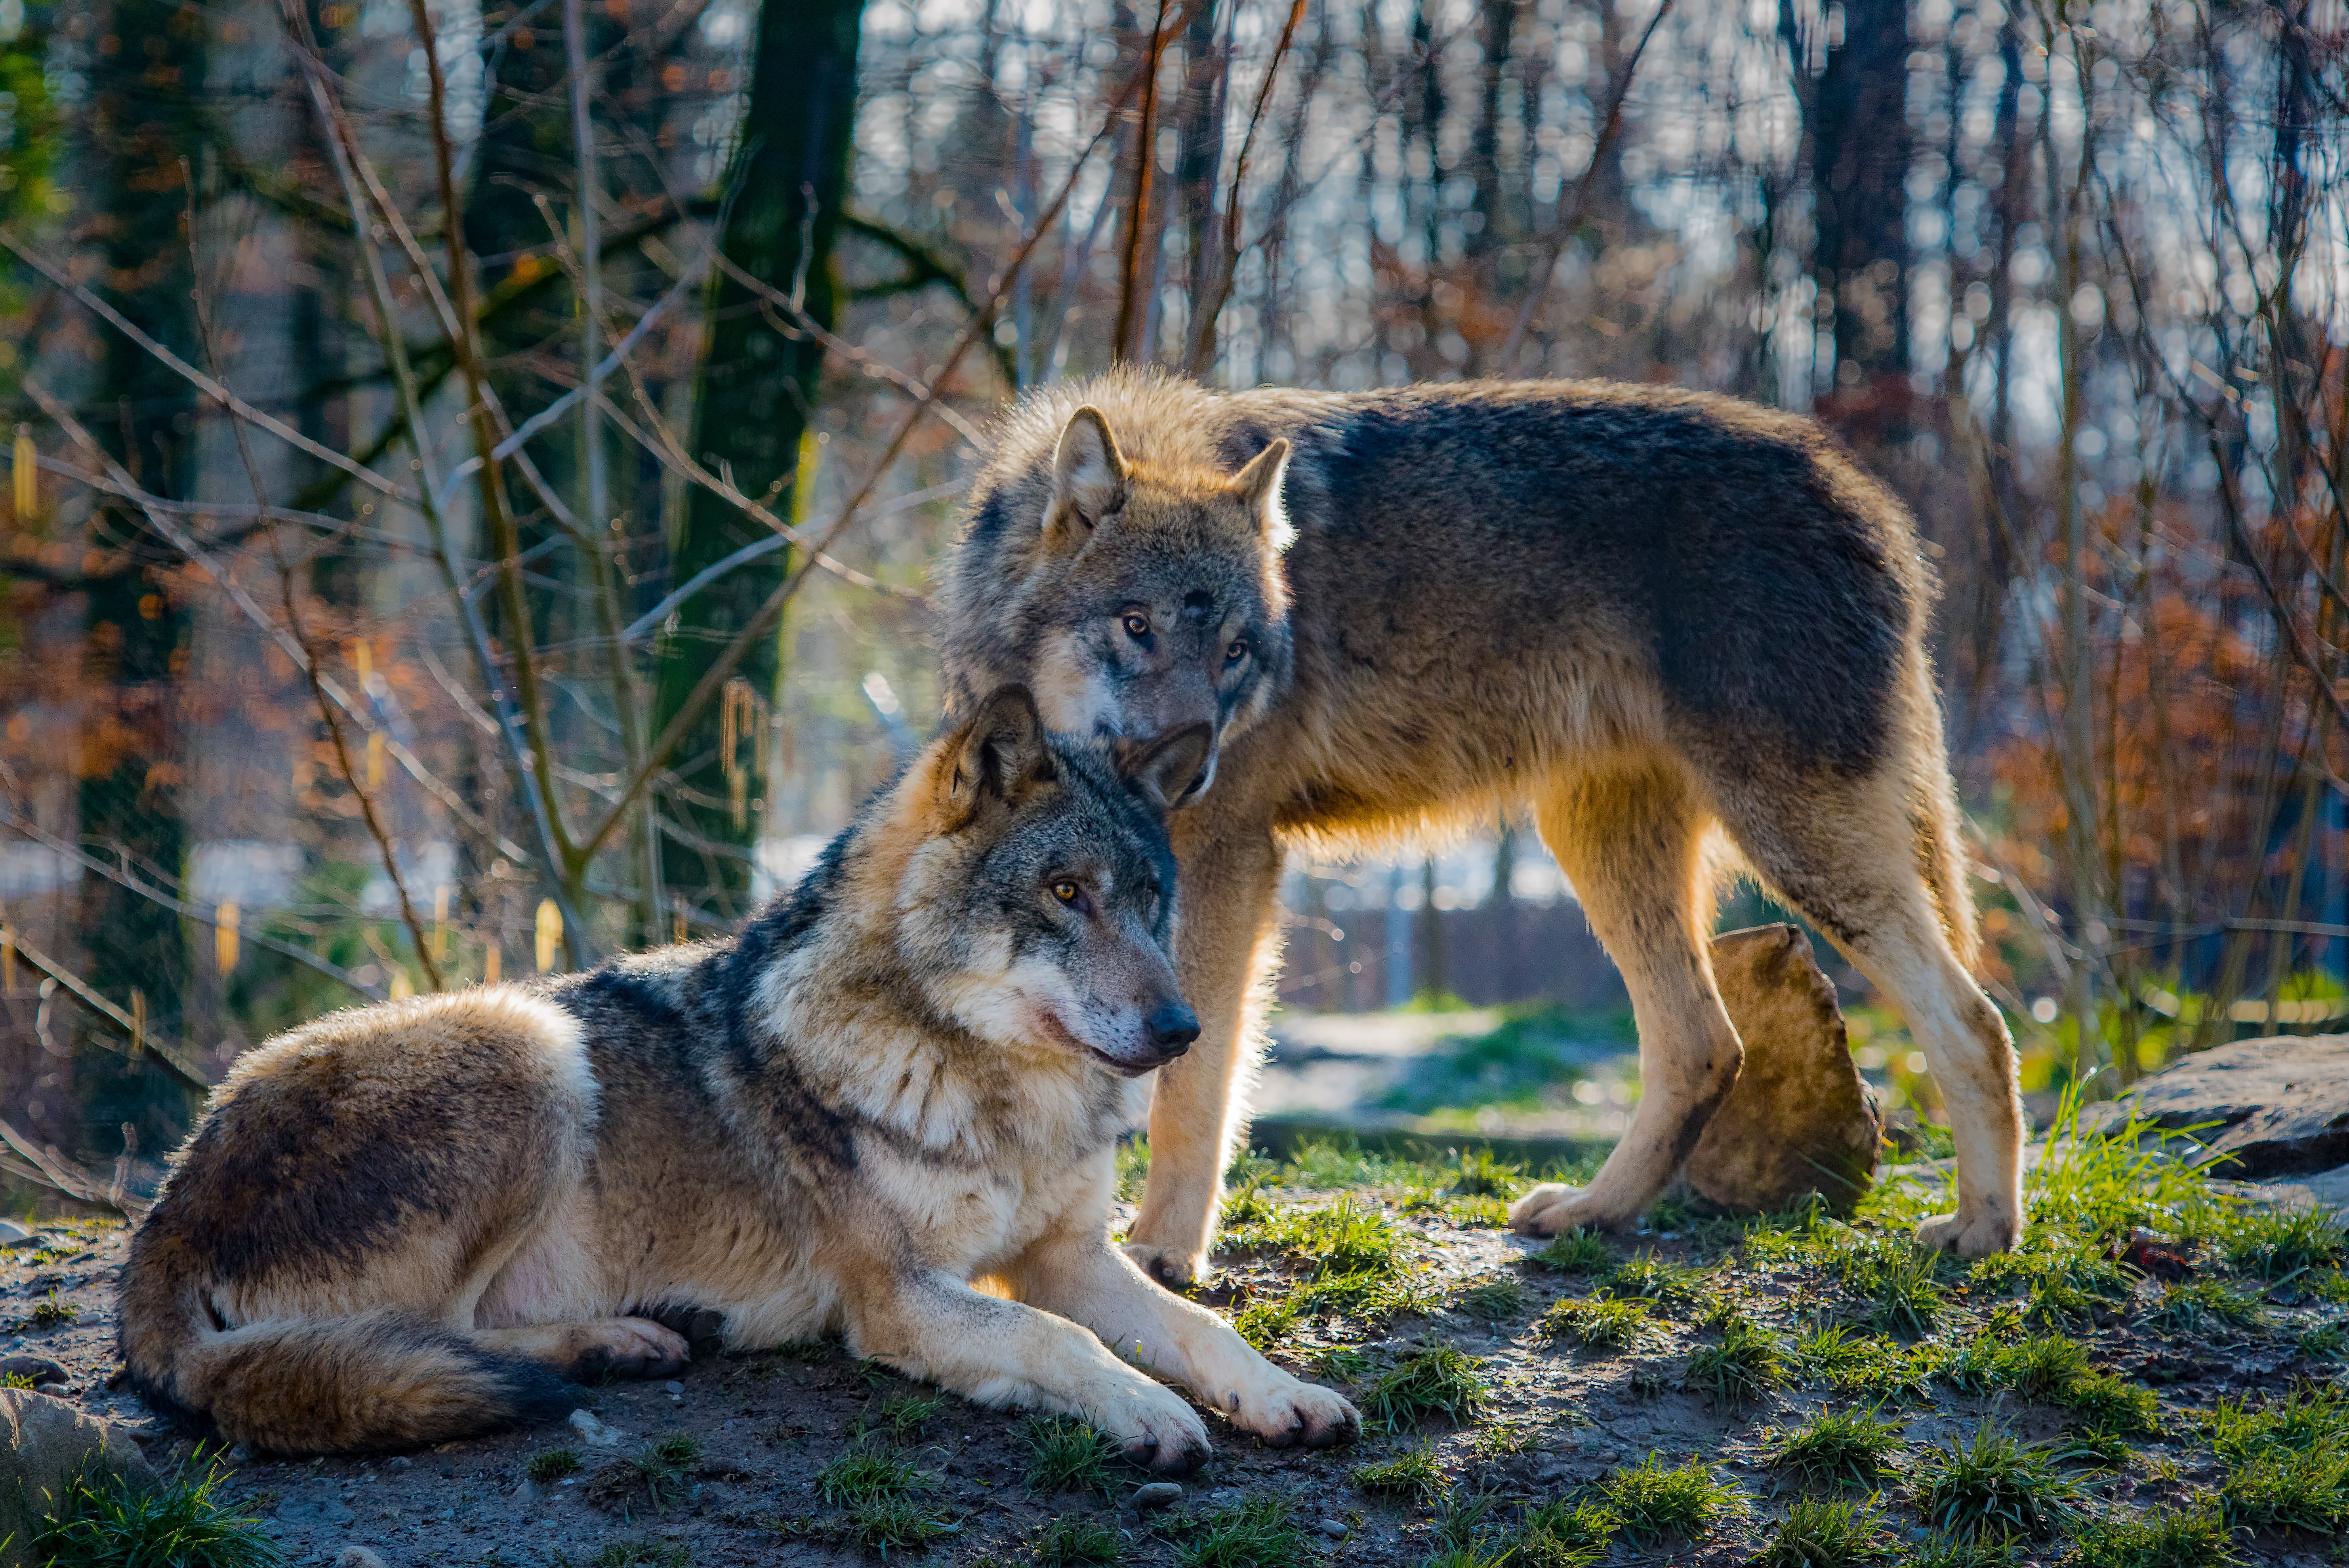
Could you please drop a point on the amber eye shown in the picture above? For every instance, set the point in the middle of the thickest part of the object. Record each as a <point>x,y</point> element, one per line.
<point>1137,626</point>
<point>1235,653</point>
<point>1065,891</point>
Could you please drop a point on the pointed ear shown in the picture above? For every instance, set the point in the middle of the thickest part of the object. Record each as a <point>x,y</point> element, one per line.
<point>1088,479</point>
<point>1163,771</point>
<point>999,755</point>
<point>1259,486</point>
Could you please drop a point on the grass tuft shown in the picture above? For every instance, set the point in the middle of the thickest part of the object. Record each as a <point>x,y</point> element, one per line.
<point>1580,1252</point>
<point>2287,1461</point>
<point>1436,1381</point>
<point>1651,1501</point>
<point>1991,1482</point>
<point>1260,1533</point>
<point>183,1523</point>
<point>1598,1323</point>
<point>1064,1454</point>
<point>1826,1533</point>
<point>879,1497</point>
<point>1845,1448</point>
<point>1649,1278</point>
<point>1481,1175</point>
<point>1746,1366</point>
<point>1853,1361</point>
<point>1413,1474</point>
<point>1494,1295</point>
<point>2161,1538</point>
<point>2205,1303</point>
<point>553,1465</point>
<point>1073,1540</point>
<point>1563,1534</point>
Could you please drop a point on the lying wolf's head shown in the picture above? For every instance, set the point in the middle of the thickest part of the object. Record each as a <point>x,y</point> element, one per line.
<point>1039,902</point>
<point>1134,598</point>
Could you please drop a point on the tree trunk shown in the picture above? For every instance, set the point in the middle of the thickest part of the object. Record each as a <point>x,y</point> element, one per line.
<point>1860,151</point>
<point>753,400</point>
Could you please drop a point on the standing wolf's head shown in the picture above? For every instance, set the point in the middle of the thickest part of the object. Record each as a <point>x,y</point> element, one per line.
<point>1136,591</point>
<point>1035,895</point>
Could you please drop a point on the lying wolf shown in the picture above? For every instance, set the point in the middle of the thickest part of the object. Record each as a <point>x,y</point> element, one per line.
<point>1688,632</point>
<point>413,1221</point>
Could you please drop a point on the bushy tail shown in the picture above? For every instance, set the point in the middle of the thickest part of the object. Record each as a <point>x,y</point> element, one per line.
<point>382,1379</point>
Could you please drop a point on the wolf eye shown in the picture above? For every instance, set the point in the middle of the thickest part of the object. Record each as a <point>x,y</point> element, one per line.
<point>1238,651</point>
<point>1138,627</point>
<point>1066,891</point>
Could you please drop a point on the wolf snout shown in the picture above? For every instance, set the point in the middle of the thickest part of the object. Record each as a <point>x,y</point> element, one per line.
<point>1171,1028</point>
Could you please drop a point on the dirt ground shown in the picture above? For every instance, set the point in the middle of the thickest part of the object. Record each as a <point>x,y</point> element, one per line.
<point>766,1424</point>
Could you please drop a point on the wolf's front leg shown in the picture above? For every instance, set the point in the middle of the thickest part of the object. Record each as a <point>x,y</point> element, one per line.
<point>1077,1275</point>
<point>1229,875</point>
<point>930,1325</point>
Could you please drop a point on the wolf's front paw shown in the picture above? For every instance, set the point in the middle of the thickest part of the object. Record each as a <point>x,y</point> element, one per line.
<point>625,1347</point>
<point>1169,1266</point>
<point>1975,1233</point>
<point>1290,1414</point>
<point>1551,1208</point>
<point>1155,1427</point>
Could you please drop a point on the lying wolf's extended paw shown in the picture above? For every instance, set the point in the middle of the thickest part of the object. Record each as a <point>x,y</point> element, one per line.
<point>1155,1427</point>
<point>1169,1266</point>
<point>1291,1413</point>
<point>1551,1208</point>
<point>1977,1234</point>
<point>625,1347</point>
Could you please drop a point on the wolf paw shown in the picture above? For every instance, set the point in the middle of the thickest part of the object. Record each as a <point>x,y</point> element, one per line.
<point>1157,1430</point>
<point>1291,1414</point>
<point>1551,1208</point>
<point>625,1347</point>
<point>1968,1235</point>
<point>1169,1266</point>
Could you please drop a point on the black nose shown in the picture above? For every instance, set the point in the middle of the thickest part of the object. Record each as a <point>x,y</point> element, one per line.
<point>1172,1028</point>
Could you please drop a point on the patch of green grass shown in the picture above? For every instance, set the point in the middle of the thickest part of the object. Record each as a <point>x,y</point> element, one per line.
<point>1493,1295</point>
<point>1650,1502</point>
<point>642,1553</point>
<point>1132,1168</point>
<point>2272,1245</point>
<point>1845,1448</point>
<point>1064,1454</point>
<point>1327,1239</point>
<point>1479,1174</point>
<point>1342,1364</point>
<point>1413,1474</point>
<point>1563,1534</point>
<point>2055,1370</point>
<point>1267,1324</point>
<point>1852,1362</point>
<point>1368,1296</point>
<point>2061,1278</point>
<point>1478,1213</point>
<point>51,1312</point>
<point>1074,1540</point>
<point>903,1417</point>
<point>553,1465</point>
<point>182,1523</point>
<point>2325,1342</point>
<point>1819,1532</point>
<point>2287,1460</point>
<point>2205,1305</point>
<point>1746,1366</point>
<point>1601,1322</point>
<point>2105,1185</point>
<point>1260,1533</point>
<point>1993,1482</point>
<point>862,1476</point>
<point>1651,1278</point>
<point>661,1466</point>
<point>1437,1381</point>
<point>1991,1548</point>
<point>880,1503</point>
<point>2161,1539</point>
<point>1580,1252</point>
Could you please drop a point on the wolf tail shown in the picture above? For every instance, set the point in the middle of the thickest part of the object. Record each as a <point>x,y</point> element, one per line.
<point>378,1379</point>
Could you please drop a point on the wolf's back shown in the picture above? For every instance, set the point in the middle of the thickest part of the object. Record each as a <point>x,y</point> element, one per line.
<point>378,1379</point>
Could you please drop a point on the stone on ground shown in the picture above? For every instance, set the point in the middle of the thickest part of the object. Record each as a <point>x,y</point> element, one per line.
<point>45,1445</point>
<point>2278,1106</point>
<point>1799,1119</point>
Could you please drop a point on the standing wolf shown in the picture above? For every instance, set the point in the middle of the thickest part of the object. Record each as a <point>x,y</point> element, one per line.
<point>1686,631</point>
<point>408,1223</point>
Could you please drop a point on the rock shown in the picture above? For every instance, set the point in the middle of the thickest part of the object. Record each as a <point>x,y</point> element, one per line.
<point>357,1556</point>
<point>1798,1120</point>
<point>35,1369</point>
<point>2278,1106</point>
<point>674,1387</point>
<point>326,1511</point>
<point>1157,1494</point>
<point>45,1445</point>
<point>528,1494</point>
<point>15,1235</point>
<point>398,1462</point>
<point>595,1433</point>
<point>1334,1528</point>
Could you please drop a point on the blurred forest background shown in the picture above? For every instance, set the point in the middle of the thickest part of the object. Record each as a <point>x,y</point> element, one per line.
<point>477,465</point>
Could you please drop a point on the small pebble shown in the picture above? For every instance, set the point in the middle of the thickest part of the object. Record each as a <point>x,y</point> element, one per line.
<point>357,1556</point>
<point>1611,1458</point>
<point>398,1462</point>
<point>1334,1528</point>
<point>1157,1494</point>
<point>674,1387</point>
<point>15,1235</point>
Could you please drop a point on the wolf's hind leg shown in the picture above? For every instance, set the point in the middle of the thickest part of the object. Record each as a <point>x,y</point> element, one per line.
<point>1229,875</point>
<point>1875,866</point>
<point>592,1352</point>
<point>1630,839</point>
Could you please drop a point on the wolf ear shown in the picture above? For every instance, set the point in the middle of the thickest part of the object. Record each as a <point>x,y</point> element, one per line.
<point>1088,479</point>
<point>1000,753</point>
<point>1259,486</point>
<point>1163,771</point>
